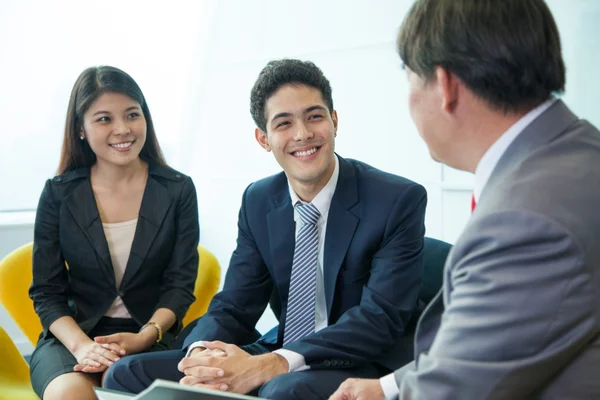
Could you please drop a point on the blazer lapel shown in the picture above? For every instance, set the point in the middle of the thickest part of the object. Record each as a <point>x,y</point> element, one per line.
<point>341,224</point>
<point>82,205</point>
<point>282,234</point>
<point>155,204</point>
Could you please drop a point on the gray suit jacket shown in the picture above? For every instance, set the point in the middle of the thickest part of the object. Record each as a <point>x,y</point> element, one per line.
<point>518,316</point>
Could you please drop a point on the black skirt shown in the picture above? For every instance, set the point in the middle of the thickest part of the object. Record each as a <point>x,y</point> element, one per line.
<point>50,358</point>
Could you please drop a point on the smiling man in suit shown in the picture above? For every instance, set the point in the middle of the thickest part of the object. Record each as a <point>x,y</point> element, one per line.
<point>518,316</point>
<point>338,240</point>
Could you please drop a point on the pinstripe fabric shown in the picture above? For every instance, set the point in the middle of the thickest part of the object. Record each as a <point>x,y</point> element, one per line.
<point>300,317</point>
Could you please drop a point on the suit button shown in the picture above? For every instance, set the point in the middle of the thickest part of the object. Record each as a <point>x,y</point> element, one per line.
<point>121,293</point>
<point>327,363</point>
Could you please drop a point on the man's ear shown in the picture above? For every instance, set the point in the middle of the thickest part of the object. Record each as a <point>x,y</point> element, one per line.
<point>262,139</point>
<point>334,118</point>
<point>448,89</point>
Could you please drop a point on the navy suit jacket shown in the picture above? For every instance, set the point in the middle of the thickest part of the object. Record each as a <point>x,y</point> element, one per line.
<point>373,262</point>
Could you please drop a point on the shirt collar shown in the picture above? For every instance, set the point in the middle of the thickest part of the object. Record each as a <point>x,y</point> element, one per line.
<point>323,199</point>
<point>491,157</point>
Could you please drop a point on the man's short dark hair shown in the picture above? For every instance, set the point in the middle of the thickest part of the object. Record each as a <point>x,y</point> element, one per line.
<point>506,51</point>
<point>278,73</point>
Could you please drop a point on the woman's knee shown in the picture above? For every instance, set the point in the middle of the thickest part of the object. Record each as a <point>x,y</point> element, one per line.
<point>72,386</point>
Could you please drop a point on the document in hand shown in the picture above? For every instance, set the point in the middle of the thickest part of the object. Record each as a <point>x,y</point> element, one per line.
<point>166,390</point>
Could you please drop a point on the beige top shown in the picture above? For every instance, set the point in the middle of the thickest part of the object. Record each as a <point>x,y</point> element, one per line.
<point>120,238</point>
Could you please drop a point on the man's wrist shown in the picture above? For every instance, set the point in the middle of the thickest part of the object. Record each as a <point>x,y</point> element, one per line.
<point>196,350</point>
<point>197,344</point>
<point>389,386</point>
<point>270,365</point>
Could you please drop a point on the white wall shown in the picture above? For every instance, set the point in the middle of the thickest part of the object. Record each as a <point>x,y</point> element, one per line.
<point>200,61</point>
<point>353,43</point>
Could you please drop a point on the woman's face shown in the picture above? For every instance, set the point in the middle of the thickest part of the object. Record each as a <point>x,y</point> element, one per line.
<point>115,128</point>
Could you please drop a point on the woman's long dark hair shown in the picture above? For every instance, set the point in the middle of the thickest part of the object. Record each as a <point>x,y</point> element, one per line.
<point>89,86</point>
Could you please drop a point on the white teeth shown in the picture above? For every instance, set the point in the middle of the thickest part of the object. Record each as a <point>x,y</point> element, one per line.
<point>122,145</point>
<point>305,153</point>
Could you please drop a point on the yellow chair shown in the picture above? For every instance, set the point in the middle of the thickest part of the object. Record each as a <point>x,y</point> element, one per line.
<point>207,285</point>
<point>15,279</point>
<point>14,372</point>
<point>16,276</point>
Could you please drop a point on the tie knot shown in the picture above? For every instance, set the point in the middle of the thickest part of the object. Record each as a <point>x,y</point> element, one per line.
<point>308,213</point>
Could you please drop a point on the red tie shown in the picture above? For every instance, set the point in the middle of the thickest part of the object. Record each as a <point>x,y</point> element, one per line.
<point>473,202</point>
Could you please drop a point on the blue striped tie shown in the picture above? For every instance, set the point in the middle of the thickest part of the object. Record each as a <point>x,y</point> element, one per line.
<point>300,317</point>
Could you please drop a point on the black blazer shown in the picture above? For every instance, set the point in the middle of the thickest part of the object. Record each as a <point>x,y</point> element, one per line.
<point>373,264</point>
<point>162,266</point>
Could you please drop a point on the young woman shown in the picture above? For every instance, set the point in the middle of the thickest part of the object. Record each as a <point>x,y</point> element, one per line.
<point>115,245</point>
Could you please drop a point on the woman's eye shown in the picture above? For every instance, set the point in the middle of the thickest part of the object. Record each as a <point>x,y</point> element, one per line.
<point>103,119</point>
<point>133,115</point>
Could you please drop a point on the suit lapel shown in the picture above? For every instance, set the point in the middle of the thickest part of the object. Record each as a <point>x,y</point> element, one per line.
<point>341,224</point>
<point>542,130</point>
<point>155,204</point>
<point>82,205</point>
<point>282,235</point>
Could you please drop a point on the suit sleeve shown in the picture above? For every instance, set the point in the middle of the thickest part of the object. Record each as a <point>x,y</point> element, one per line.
<point>234,312</point>
<point>50,278</point>
<point>179,278</point>
<point>520,304</point>
<point>364,333</point>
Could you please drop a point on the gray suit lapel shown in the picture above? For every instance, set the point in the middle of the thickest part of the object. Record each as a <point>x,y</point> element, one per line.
<point>542,130</point>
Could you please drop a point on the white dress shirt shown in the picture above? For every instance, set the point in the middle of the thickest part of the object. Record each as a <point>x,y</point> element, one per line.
<point>482,174</point>
<point>323,202</point>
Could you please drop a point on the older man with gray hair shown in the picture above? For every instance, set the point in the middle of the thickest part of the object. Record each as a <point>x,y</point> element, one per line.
<point>519,312</point>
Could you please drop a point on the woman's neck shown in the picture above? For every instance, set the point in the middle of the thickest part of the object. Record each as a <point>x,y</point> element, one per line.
<point>110,175</point>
